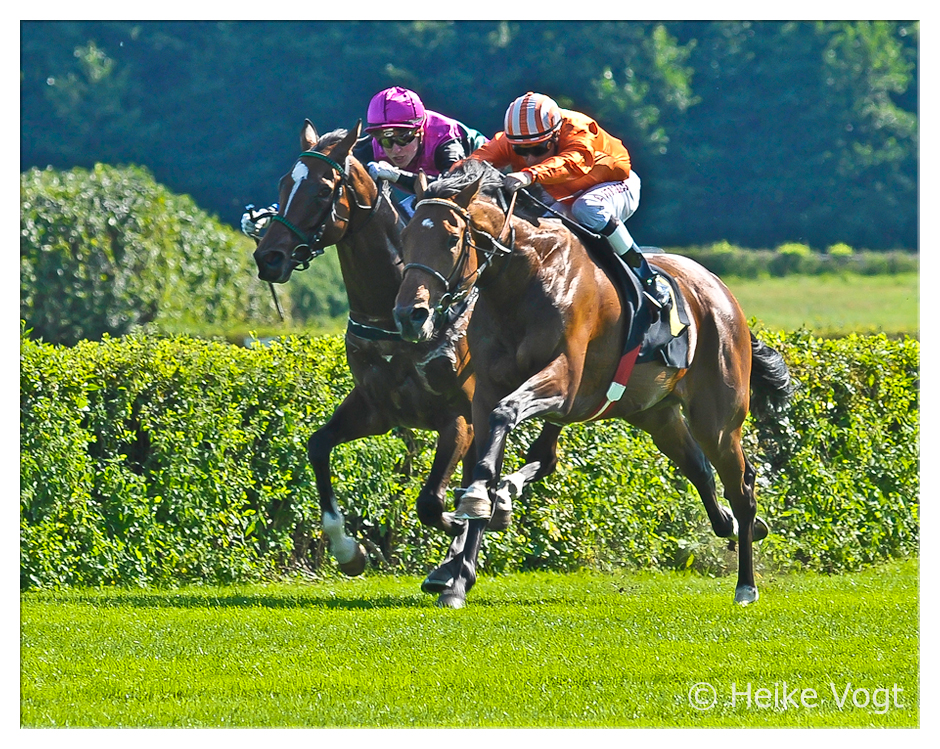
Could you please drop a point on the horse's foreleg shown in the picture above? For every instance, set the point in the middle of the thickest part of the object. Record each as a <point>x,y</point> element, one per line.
<point>353,418</point>
<point>541,459</point>
<point>463,568</point>
<point>543,393</point>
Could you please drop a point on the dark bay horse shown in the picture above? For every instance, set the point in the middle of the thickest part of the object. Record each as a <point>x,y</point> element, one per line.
<point>546,339</point>
<point>329,198</point>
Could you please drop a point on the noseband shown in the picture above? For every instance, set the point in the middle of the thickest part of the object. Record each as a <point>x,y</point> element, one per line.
<point>307,249</point>
<point>453,292</point>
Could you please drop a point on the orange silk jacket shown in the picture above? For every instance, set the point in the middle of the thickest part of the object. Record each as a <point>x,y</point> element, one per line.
<point>586,156</point>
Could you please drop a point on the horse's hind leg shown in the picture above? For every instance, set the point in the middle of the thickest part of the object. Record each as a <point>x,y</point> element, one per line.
<point>737,476</point>
<point>666,425</point>
<point>723,449</point>
<point>353,418</point>
<point>671,434</point>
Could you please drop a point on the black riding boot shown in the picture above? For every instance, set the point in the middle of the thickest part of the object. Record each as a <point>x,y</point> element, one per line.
<point>654,285</point>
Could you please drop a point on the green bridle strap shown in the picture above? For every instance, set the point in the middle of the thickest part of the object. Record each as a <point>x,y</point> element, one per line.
<point>290,226</point>
<point>327,159</point>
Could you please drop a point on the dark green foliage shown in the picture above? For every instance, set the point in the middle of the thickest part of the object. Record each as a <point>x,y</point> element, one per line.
<point>754,132</point>
<point>161,461</point>
<point>109,250</point>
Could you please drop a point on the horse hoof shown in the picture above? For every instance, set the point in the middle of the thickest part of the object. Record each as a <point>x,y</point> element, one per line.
<point>502,512</point>
<point>745,594</point>
<point>355,566</point>
<point>450,525</point>
<point>437,582</point>
<point>474,506</point>
<point>451,601</point>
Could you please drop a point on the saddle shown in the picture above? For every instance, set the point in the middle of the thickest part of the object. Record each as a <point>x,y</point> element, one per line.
<point>661,333</point>
<point>654,333</point>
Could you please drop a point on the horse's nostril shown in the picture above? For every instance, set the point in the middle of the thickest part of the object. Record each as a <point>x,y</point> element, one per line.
<point>419,315</point>
<point>273,259</point>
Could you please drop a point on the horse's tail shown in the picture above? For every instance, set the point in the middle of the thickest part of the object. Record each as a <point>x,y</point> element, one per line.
<point>771,383</point>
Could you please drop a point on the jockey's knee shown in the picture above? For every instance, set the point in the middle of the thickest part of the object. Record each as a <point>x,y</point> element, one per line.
<point>590,214</point>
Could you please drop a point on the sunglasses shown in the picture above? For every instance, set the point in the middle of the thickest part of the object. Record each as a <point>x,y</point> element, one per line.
<point>536,150</point>
<point>398,140</point>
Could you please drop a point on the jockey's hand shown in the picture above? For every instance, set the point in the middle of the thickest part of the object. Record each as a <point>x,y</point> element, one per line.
<point>248,224</point>
<point>515,181</point>
<point>383,170</point>
<point>254,220</point>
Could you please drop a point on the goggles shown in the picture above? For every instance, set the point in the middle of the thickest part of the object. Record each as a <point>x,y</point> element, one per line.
<point>401,139</point>
<point>539,149</point>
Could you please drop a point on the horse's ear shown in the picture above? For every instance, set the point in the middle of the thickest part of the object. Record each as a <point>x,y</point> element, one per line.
<point>466,196</point>
<point>421,185</point>
<point>344,147</point>
<point>358,128</point>
<point>308,136</point>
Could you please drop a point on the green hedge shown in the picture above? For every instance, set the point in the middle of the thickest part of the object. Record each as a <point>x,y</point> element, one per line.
<point>161,461</point>
<point>727,261</point>
<point>109,250</point>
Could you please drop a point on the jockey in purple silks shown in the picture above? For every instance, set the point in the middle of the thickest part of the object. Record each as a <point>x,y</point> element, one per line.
<point>407,137</point>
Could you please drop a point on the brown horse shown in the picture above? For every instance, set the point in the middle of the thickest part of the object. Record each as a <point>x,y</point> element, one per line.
<point>546,338</point>
<point>329,198</point>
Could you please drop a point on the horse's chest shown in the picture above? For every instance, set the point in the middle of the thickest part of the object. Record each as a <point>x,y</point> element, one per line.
<point>402,379</point>
<point>513,347</point>
<point>506,361</point>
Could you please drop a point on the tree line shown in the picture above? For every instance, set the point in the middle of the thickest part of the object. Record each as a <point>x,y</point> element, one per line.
<point>756,133</point>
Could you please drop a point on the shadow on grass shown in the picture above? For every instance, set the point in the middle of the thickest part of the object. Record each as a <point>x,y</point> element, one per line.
<point>319,600</point>
<point>146,600</point>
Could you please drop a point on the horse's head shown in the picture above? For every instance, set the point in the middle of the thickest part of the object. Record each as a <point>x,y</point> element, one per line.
<point>441,249</point>
<point>314,207</point>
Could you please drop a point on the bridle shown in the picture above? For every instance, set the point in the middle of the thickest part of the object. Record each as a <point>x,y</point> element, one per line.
<point>457,288</point>
<point>309,246</point>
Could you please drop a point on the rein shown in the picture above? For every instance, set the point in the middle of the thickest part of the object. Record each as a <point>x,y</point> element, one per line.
<point>453,293</point>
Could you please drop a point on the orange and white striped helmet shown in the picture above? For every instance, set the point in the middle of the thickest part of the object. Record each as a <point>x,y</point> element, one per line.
<point>532,118</point>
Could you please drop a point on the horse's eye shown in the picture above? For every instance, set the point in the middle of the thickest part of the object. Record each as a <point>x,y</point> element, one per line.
<point>324,191</point>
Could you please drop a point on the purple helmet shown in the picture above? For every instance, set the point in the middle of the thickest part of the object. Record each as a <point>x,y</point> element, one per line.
<point>395,107</point>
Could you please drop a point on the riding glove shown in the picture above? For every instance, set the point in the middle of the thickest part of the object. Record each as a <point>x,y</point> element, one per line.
<point>515,181</point>
<point>383,170</point>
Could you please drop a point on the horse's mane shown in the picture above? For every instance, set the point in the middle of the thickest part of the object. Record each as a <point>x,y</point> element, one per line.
<point>465,173</point>
<point>328,139</point>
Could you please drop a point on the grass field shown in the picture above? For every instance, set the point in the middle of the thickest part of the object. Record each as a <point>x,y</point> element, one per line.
<point>833,305</point>
<point>531,650</point>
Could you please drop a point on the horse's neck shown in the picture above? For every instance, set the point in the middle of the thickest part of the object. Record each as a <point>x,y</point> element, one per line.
<point>370,261</point>
<point>537,264</point>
